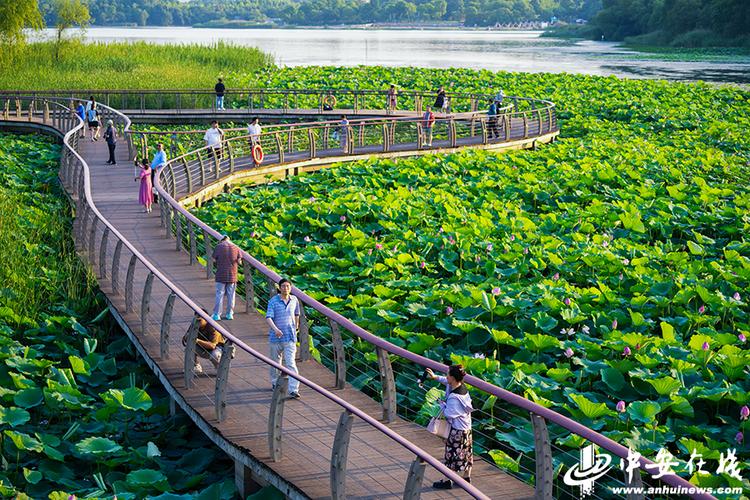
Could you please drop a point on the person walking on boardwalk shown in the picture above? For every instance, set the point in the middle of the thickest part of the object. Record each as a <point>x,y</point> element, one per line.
<point>283,318</point>
<point>92,115</point>
<point>110,136</point>
<point>81,113</point>
<point>209,344</point>
<point>440,100</point>
<point>392,98</point>
<point>459,454</point>
<point>499,97</point>
<point>160,159</point>
<point>254,131</point>
<point>213,138</point>
<point>344,132</point>
<point>219,88</point>
<point>428,120</point>
<point>492,120</point>
<point>227,256</point>
<point>145,194</point>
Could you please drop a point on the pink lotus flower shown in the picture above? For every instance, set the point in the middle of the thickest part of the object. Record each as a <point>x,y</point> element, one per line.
<point>312,199</point>
<point>614,324</point>
<point>496,291</point>
<point>252,235</point>
<point>736,296</point>
<point>741,337</point>
<point>702,309</point>
<point>566,301</point>
<point>621,406</point>
<point>489,247</point>
<point>625,261</point>
<point>626,351</point>
<point>744,413</point>
<point>605,243</point>
<point>568,352</point>
<point>526,250</point>
<point>449,310</point>
<point>308,239</point>
<point>705,346</point>
<point>369,252</point>
<point>512,237</point>
<point>422,265</point>
<point>451,240</point>
<point>440,231</point>
<point>378,246</point>
<point>555,276</point>
<point>739,437</point>
<point>342,218</point>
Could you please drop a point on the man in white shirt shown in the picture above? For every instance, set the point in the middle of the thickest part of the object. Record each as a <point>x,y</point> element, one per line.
<point>254,131</point>
<point>213,138</point>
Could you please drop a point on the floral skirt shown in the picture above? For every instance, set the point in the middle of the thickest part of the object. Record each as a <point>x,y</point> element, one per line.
<point>459,454</point>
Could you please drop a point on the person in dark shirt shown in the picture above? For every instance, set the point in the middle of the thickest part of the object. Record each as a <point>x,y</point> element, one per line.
<point>219,88</point>
<point>227,256</point>
<point>209,344</point>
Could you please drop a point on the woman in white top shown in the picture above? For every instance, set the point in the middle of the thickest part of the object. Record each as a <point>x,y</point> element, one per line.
<point>213,137</point>
<point>254,131</point>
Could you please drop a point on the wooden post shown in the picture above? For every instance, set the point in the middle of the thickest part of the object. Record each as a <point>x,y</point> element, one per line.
<point>485,135</point>
<point>543,454</point>
<point>189,360</point>
<point>203,168</point>
<point>279,147</point>
<point>339,455</point>
<point>276,416</point>
<point>209,254</point>
<point>247,271</point>
<point>388,384</point>
<point>304,335</point>
<point>129,284</point>
<point>339,355</point>
<point>508,124</point>
<point>222,379</point>
<point>178,230</point>
<point>187,175</point>
<point>217,163</point>
<point>193,242</point>
<point>166,323</point>
<point>167,218</point>
<point>92,238</point>
<point>539,117</point>
<point>385,138</point>
<point>45,117</point>
<point>413,488</point>
<point>452,131</point>
<point>311,140</point>
<point>230,153</point>
<point>116,266</point>
<point>145,302</point>
<point>525,126</point>
<point>103,254</point>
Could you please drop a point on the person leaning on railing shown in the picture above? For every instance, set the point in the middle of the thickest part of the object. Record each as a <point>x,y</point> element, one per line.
<point>456,407</point>
<point>209,344</point>
<point>160,159</point>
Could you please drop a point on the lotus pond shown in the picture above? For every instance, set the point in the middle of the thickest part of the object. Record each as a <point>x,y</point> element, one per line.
<point>79,414</point>
<point>605,276</point>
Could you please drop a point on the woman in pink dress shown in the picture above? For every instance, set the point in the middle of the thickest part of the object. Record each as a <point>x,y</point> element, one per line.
<point>145,195</point>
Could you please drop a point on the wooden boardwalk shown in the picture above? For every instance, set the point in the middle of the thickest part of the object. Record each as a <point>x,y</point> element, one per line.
<point>377,465</point>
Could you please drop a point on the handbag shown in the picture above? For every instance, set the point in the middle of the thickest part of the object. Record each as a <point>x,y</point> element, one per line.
<point>439,426</point>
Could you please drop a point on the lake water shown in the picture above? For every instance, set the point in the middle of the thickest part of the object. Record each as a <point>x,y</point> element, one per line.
<point>493,50</point>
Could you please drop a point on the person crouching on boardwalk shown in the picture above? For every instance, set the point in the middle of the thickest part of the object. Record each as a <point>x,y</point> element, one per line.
<point>283,318</point>
<point>459,454</point>
<point>227,256</point>
<point>145,194</point>
<point>209,344</point>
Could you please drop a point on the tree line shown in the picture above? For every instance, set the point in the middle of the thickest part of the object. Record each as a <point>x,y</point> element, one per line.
<point>321,12</point>
<point>692,23</point>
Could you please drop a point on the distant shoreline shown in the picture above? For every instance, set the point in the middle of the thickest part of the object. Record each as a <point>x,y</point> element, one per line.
<point>341,27</point>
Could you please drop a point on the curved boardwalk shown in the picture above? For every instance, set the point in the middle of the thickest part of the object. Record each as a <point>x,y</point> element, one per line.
<point>154,285</point>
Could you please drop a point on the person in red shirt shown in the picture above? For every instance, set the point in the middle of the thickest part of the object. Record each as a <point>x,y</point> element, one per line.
<point>428,120</point>
<point>227,257</point>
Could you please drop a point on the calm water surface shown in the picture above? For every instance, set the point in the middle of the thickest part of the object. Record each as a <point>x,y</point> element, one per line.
<point>493,50</point>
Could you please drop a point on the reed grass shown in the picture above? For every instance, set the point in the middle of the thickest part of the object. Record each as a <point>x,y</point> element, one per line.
<point>120,65</point>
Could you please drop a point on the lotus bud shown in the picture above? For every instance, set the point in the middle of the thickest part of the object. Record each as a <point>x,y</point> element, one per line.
<point>705,346</point>
<point>496,291</point>
<point>526,250</point>
<point>739,438</point>
<point>312,199</point>
<point>342,218</point>
<point>736,296</point>
<point>422,265</point>
<point>744,413</point>
<point>621,406</point>
<point>741,337</point>
<point>567,301</point>
<point>308,239</point>
<point>449,310</point>
<point>614,324</point>
<point>702,309</point>
<point>512,237</point>
<point>555,276</point>
<point>378,246</point>
<point>568,352</point>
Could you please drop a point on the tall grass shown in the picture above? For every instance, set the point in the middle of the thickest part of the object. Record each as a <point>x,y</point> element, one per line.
<point>119,65</point>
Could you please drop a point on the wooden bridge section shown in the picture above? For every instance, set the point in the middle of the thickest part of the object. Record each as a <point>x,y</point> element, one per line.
<point>336,442</point>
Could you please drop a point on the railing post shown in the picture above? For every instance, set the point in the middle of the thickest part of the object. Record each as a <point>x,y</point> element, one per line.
<point>217,163</point>
<point>543,454</point>
<point>203,168</point>
<point>276,416</point>
<point>167,219</point>
<point>388,385</point>
<point>209,254</point>
<point>116,266</point>
<point>247,271</point>
<point>339,354</point>
<point>452,130</point>
<point>508,124</point>
<point>413,488</point>
<point>92,238</point>
<point>549,118</point>
<point>279,147</point>
<point>45,117</point>
<point>386,146</point>
<point>178,231</point>
<point>189,360</point>
<point>145,302</point>
<point>634,480</point>
<point>339,455</point>
<point>187,175</point>
<point>129,284</point>
<point>166,323</point>
<point>222,379</point>
<point>311,140</point>
<point>230,153</point>
<point>304,334</point>
<point>171,177</point>
<point>525,126</point>
<point>485,135</point>
<point>349,140</point>
<point>193,243</point>
<point>103,254</point>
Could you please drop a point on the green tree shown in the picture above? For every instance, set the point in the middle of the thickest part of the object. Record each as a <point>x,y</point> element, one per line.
<point>69,13</point>
<point>15,15</point>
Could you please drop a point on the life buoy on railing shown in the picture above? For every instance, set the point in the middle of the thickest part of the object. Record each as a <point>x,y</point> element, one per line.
<point>257,154</point>
<point>329,101</point>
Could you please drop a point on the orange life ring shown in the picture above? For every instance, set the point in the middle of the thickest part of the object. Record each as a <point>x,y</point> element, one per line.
<point>258,154</point>
<point>330,100</point>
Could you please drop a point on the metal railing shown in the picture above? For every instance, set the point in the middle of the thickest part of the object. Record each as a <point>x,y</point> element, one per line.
<point>111,256</point>
<point>92,229</point>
